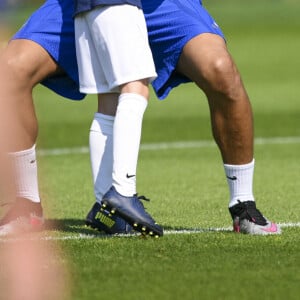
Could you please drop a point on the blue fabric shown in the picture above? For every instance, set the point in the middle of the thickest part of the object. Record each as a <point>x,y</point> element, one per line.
<point>52,27</point>
<point>171,24</point>
<point>86,5</point>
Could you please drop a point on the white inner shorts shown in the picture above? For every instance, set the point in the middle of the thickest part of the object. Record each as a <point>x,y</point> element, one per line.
<point>112,48</point>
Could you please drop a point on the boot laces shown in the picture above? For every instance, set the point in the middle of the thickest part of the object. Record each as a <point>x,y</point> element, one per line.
<point>253,214</point>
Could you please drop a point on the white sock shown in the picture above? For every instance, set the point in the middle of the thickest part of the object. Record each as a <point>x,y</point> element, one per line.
<point>240,182</point>
<point>127,136</point>
<point>101,153</point>
<point>25,172</point>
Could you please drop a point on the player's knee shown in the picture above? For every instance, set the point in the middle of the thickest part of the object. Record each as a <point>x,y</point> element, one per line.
<point>224,78</point>
<point>140,87</point>
<point>16,68</point>
<point>27,63</point>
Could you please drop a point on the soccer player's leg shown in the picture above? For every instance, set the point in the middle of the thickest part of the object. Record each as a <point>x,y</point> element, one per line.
<point>23,64</point>
<point>101,156</point>
<point>42,51</point>
<point>101,153</point>
<point>115,73</point>
<point>215,72</point>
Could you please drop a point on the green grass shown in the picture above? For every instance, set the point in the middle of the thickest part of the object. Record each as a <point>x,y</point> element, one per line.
<point>187,187</point>
<point>199,266</point>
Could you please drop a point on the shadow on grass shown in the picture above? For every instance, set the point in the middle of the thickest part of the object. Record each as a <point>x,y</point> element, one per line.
<point>78,226</point>
<point>76,229</point>
<point>69,226</point>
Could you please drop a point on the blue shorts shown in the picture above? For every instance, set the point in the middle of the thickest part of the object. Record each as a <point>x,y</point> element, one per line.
<point>171,24</point>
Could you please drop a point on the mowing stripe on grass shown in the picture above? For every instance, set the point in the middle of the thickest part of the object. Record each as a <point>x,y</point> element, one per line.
<point>166,232</point>
<point>173,145</point>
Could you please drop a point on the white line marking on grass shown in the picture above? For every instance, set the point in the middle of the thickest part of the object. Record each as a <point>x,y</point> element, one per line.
<point>285,225</point>
<point>221,229</point>
<point>173,145</point>
<point>63,151</point>
<point>82,236</point>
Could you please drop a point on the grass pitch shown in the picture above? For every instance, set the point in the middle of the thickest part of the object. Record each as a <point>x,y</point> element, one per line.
<point>199,257</point>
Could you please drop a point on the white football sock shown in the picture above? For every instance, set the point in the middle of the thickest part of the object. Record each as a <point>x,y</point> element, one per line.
<point>127,136</point>
<point>240,182</point>
<point>101,153</point>
<point>25,172</point>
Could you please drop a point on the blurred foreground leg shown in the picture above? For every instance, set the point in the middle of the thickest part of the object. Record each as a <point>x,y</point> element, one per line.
<point>32,270</point>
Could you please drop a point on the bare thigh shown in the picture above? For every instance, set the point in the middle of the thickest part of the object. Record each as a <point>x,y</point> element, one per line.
<point>23,64</point>
<point>207,62</point>
<point>26,62</point>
